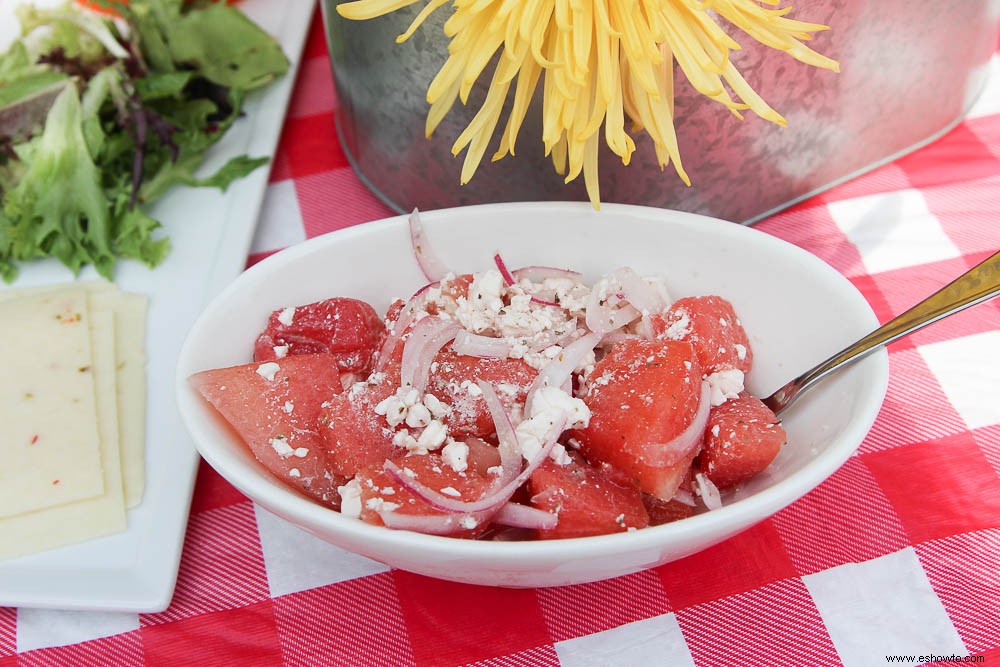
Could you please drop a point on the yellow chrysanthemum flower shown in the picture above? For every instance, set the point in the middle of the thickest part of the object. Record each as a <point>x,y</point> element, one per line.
<point>603,61</point>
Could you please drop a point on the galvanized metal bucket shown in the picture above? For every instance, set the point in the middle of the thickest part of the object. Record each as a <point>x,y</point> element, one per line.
<point>910,70</point>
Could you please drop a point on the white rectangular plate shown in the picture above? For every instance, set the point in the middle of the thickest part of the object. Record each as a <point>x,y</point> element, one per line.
<point>210,233</point>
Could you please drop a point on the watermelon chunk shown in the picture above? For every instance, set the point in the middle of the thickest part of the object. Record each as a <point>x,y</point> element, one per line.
<point>642,394</point>
<point>665,511</point>
<point>381,491</point>
<point>710,324</point>
<point>741,439</point>
<point>275,408</point>
<point>453,381</point>
<point>349,329</point>
<point>588,499</point>
<point>355,436</point>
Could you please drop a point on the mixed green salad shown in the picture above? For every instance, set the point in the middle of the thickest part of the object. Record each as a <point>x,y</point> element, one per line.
<point>100,117</point>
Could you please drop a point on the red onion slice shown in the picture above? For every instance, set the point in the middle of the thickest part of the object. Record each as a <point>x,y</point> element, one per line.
<point>429,524</point>
<point>644,328</point>
<point>684,496</point>
<point>560,370</point>
<point>492,501</point>
<point>525,516</point>
<point>433,268</point>
<point>425,288</point>
<point>405,318</point>
<point>438,500</point>
<point>708,491</point>
<point>429,335</point>
<point>671,453</point>
<point>537,274</point>
<point>544,302</point>
<point>504,271</point>
<point>508,278</point>
<point>486,347</point>
<point>604,318</point>
<point>509,448</point>
<point>638,292</point>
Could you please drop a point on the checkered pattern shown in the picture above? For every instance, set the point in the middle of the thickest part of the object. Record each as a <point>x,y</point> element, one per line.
<point>897,553</point>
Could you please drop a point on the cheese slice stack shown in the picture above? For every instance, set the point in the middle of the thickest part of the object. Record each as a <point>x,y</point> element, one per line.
<point>72,401</point>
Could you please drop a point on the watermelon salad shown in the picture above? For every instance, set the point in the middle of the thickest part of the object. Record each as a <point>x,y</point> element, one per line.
<point>508,404</point>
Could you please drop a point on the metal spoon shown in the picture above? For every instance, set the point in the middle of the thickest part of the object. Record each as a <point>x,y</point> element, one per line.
<point>978,284</point>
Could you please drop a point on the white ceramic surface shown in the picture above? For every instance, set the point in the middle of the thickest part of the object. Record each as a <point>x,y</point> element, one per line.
<point>210,233</point>
<point>796,309</point>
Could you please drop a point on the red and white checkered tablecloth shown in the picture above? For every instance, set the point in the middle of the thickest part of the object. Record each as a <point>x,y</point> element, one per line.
<point>897,554</point>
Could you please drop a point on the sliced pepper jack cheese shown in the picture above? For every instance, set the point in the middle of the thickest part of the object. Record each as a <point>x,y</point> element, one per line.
<point>130,374</point>
<point>130,357</point>
<point>89,518</point>
<point>50,440</point>
<point>115,351</point>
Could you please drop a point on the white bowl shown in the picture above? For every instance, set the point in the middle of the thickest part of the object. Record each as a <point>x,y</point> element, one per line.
<point>796,309</point>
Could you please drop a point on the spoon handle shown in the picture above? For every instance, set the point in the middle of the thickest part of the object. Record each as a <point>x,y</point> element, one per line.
<point>976,285</point>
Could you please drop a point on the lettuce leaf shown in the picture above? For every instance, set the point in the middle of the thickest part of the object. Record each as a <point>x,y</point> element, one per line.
<point>58,208</point>
<point>94,126</point>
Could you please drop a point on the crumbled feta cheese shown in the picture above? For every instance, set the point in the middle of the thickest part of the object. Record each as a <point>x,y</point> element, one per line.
<point>433,295</point>
<point>350,498</point>
<point>294,472</point>
<point>418,416</point>
<point>468,522</point>
<point>451,491</point>
<point>471,388</point>
<point>410,397</point>
<point>518,348</point>
<point>553,400</point>
<point>524,319</point>
<point>377,504</point>
<point>725,385</point>
<point>433,435</point>
<point>280,351</point>
<point>541,359</point>
<point>437,409</point>
<point>393,409</point>
<point>531,434</point>
<point>301,452</point>
<point>679,329</point>
<point>288,407</point>
<point>477,313</point>
<point>456,455</point>
<point>281,447</point>
<point>741,351</point>
<point>508,389</point>
<point>286,316</point>
<point>404,439</point>
<point>549,406</point>
<point>559,455</point>
<point>268,370</point>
